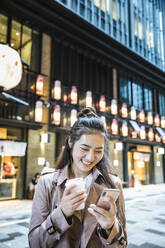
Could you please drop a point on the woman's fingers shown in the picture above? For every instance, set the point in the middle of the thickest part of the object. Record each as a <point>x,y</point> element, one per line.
<point>103,212</point>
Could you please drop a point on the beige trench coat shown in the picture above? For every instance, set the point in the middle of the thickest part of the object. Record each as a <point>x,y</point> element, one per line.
<point>49,227</point>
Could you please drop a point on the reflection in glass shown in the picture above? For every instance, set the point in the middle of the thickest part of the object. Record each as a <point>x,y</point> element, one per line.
<point>3,28</point>
<point>26,45</point>
<point>15,41</point>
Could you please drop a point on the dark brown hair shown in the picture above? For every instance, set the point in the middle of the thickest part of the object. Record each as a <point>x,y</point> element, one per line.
<point>87,123</point>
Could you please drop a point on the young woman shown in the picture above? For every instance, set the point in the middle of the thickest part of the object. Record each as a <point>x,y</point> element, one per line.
<point>55,221</point>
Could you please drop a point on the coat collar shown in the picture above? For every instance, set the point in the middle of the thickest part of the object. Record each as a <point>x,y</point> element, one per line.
<point>63,175</point>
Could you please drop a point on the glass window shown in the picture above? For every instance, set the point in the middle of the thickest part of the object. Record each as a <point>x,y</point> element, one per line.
<point>108,6</point>
<point>26,45</point>
<point>148,99</point>
<point>89,10</point>
<point>3,28</point>
<point>114,10</point>
<point>74,5</point>
<point>162,104</point>
<point>135,26</point>
<point>125,90</point>
<point>103,6</point>
<point>137,95</point>
<point>97,3</point>
<point>35,51</point>
<point>15,41</point>
<point>27,42</point>
<point>140,30</point>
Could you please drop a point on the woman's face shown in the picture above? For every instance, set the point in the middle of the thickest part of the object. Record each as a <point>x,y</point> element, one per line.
<point>87,152</point>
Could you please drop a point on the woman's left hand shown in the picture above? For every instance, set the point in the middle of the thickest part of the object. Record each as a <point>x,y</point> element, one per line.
<point>104,217</point>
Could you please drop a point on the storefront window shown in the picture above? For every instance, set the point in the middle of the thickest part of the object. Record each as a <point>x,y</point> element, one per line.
<point>137,95</point>
<point>140,167</point>
<point>35,51</point>
<point>26,44</point>
<point>148,99</point>
<point>125,90</point>
<point>15,41</point>
<point>3,28</point>
<point>11,151</point>
<point>162,104</point>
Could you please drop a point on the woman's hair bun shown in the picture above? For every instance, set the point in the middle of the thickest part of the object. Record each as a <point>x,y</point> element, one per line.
<point>91,112</point>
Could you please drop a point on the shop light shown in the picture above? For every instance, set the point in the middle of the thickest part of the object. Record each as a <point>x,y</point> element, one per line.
<point>157,120</point>
<point>39,85</point>
<point>65,98</point>
<point>150,118</point>
<point>73,117</point>
<point>124,129</point>
<point>57,90</point>
<point>140,164</point>
<point>102,104</point>
<point>119,146</point>
<point>157,138</point>
<point>104,120</point>
<point>10,67</point>
<point>134,134</point>
<point>45,138</point>
<point>38,111</point>
<point>163,139</point>
<point>150,134</point>
<point>116,162</point>
<point>89,99</point>
<point>74,95</point>
<point>141,116</point>
<point>114,127</point>
<point>158,163</point>
<point>41,161</point>
<point>133,113</point>
<point>114,107</point>
<point>124,110</point>
<point>57,115</point>
<point>163,121</point>
<point>161,151</point>
<point>136,155</point>
<point>142,132</point>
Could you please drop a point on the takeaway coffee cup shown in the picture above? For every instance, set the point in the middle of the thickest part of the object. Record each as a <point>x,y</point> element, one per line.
<point>80,183</point>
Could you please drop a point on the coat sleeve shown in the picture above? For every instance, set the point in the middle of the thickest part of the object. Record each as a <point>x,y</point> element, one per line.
<point>117,236</point>
<point>46,227</point>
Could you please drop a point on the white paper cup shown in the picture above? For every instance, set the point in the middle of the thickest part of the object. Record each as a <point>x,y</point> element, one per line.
<point>80,183</point>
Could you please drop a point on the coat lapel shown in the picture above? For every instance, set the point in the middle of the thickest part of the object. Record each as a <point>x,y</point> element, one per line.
<point>90,222</point>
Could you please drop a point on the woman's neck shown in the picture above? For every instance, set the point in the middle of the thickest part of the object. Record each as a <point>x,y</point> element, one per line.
<point>73,172</point>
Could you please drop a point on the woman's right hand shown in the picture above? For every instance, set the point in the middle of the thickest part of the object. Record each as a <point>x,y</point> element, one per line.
<point>71,200</point>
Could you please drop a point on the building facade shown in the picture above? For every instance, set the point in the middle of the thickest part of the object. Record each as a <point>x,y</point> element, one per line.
<point>77,53</point>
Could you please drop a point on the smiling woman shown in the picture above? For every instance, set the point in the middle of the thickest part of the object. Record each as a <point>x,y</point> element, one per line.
<point>65,211</point>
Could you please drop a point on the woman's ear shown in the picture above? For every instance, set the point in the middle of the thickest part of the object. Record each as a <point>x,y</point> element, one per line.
<point>69,143</point>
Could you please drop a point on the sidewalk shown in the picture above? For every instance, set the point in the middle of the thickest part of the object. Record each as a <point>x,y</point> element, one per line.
<point>144,212</point>
<point>21,209</point>
<point>143,191</point>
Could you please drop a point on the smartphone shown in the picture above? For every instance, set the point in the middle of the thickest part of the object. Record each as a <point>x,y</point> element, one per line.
<point>104,200</point>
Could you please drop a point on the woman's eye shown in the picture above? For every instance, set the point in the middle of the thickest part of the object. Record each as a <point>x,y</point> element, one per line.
<point>84,149</point>
<point>98,152</point>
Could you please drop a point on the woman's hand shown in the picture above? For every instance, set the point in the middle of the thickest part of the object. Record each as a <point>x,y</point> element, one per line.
<point>104,217</point>
<point>71,200</point>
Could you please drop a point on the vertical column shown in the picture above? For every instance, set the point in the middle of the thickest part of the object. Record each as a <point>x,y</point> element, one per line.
<point>115,88</point>
<point>131,25</point>
<point>125,162</point>
<point>45,69</point>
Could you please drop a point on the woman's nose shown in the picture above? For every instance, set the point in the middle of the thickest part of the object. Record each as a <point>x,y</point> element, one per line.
<point>90,156</point>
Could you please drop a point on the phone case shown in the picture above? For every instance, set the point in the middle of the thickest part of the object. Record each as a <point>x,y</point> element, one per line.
<point>104,200</point>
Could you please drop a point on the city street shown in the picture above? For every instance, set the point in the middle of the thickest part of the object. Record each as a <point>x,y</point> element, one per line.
<point>145,211</point>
